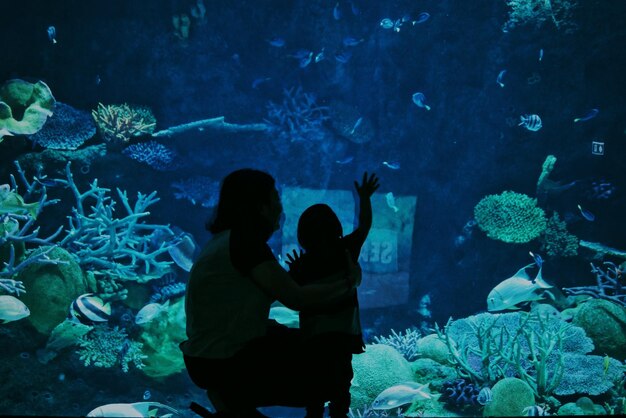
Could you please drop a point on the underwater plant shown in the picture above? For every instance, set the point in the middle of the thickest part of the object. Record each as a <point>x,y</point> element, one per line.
<point>121,122</point>
<point>405,344</point>
<point>510,217</point>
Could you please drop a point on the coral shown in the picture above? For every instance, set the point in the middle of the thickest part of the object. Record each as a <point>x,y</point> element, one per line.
<point>588,375</point>
<point>428,370</point>
<point>510,217</point>
<point>107,347</point>
<point>610,285</point>
<point>556,241</point>
<point>537,12</point>
<point>605,323</point>
<point>34,101</point>
<point>157,156</point>
<point>510,397</point>
<point>200,190</point>
<point>64,335</point>
<point>379,368</point>
<point>432,347</point>
<point>460,394</point>
<point>298,117</point>
<point>67,129</point>
<point>121,122</point>
<point>546,170</point>
<point>167,287</point>
<point>56,160</point>
<point>126,248</point>
<point>405,344</point>
<point>582,406</point>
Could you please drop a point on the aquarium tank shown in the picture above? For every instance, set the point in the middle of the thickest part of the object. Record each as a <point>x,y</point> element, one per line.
<point>493,278</point>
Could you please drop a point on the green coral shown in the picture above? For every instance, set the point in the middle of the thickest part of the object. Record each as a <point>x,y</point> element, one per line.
<point>556,240</point>
<point>511,397</point>
<point>538,12</point>
<point>107,347</point>
<point>34,101</point>
<point>510,217</point>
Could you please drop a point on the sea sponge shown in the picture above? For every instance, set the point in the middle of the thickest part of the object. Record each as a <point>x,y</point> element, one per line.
<point>510,397</point>
<point>510,217</point>
<point>34,101</point>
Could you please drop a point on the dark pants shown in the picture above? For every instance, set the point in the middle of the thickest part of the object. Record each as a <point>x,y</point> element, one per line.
<point>270,370</point>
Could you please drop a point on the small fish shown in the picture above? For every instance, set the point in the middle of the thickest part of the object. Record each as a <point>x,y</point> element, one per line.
<point>517,289</point>
<point>391,201</point>
<point>150,311</point>
<point>343,57</point>
<point>304,62</point>
<point>421,18</point>
<point>51,182</point>
<point>285,316</point>
<point>500,77</point>
<point>540,54</point>
<point>184,251</point>
<point>137,409</point>
<point>606,362</point>
<point>534,411</point>
<point>346,160</point>
<point>397,25</point>
<point>392,165</point>
<point>351,41</point>
<point>259,80</point>
<point>301,53</point>
<point>386,23</point>
<point>355,9</point>
<point>530,122</point>
<point>147,395</point>
<point>12,309</point>
<point>589,115</point>
<point>89,309</point>
<point>52,34</point>
<point>537,258</point>
<point>98,80</point>
<point>320,56</point>
<point>358,123</point>
<point>484,396</point>
<point>586,214</point>
<point>402,394</point>
<point>419,99</point>
<point>276,42</point>
<point>337,12</point>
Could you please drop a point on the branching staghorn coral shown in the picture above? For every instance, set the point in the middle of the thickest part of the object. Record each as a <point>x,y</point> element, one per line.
<point>405,344</point>
<point>610,285</point>
<point>126,247</point>
<point>122,122</point>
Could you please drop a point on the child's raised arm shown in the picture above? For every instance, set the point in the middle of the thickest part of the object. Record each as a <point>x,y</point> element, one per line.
<point>365,190</point>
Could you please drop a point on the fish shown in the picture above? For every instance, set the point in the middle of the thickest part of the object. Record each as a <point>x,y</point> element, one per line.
<point>12,202</point>
<point>350,41</point>
<point>392,165</point>
<point>358,123</point>
<point>319,56</point>
<point>259,80</point>
<point>534,411</point>
<point>500,77</point>
<point>147,395</point>
<point>537,258</point>
<point>589,115</point>
<point>517,289</point>
<point>397,24</point>
<point>421,18</point>
<point>131,410</point>
<point>150,311</point>
<point>276,42</point>
<point>355,9</point>
<point>89,309</point>
<point>337,12</point>
<point>304,62</point>
<point>402,394</point>
<point>586,214</point>
<point>386,23</point>
<point>343,57</point>
<point>530,122</point>
<point>301,53</point>
<point>12,309</point>
<point>51,182</point>
<point>540,54</point>
<point>606,362</point>
<point>419,99</point>
<point>52,34</point>
<point>484,396</point>
<point>391,201</point>
<point>346,160</point>
<point>285,316</point>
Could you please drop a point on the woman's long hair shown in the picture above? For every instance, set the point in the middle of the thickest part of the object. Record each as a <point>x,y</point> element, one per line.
<point>242,194</point>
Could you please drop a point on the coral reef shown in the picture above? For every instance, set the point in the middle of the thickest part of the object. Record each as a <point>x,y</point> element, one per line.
<point>608,285</point>
<point>556,241</point>
<point>298,117</point>
<point>155,155</point>
<point>406,343</point>
<point>588,375</point>
<point>32,100</point>
<point>121,122</point>
<point>460,394</point>
<point>200,190</point>
<point>55,160</point>
<point>510,397</point>
<point>107,347</point>
<point>605,323</point>
<point>67,129</point>
<point>510,217</point>
<point>537,12</point>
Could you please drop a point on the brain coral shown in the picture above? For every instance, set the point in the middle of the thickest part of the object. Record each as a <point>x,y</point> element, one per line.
<point>510,217</point>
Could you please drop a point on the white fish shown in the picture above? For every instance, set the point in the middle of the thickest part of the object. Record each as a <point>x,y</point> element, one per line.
<point>89,309</point>
<point>500,78</point>
<point>517,289</point>
<point>12,309</point>
<point>419,99</point>
<point>391,201</point>
<point>392,165</point>
<point>402,394</point>
<point>285,316</point>
<point>530,122</point>
<point>356,125</point>
<point>130,410</point>
<point>484,396</point>
<point>386,23</point>
<point>183,252</point>
<point>150,311</point>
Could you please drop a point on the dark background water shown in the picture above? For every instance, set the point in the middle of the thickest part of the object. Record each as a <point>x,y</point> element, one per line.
<point>450,156</point>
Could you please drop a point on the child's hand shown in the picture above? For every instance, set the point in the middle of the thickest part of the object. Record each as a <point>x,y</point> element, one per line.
<point>368,186</point>
<point>292,259</point>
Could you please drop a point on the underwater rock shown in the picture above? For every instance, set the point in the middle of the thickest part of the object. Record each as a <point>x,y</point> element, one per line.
<point>55,161</point>
<point>432,347</point>
<point>583,406</point>
<point>379,368</point>
<point>510,397</point>
<point>605,323</point>
<point>428,370</point>
<point>51,288</point>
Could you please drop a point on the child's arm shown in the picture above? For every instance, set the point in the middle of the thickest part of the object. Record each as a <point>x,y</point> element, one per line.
<point>365,190</point>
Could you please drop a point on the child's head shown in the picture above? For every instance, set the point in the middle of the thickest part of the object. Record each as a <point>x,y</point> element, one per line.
<point>318,228</point>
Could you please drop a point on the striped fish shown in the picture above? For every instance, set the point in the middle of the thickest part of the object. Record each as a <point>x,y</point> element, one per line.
<point>531,122</point>
<point>89,309</point>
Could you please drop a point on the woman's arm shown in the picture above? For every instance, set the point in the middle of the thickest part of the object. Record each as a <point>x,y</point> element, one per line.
<point>278,284</point>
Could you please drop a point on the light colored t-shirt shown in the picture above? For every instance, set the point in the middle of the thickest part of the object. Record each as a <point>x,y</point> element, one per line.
<point>224,308</point>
